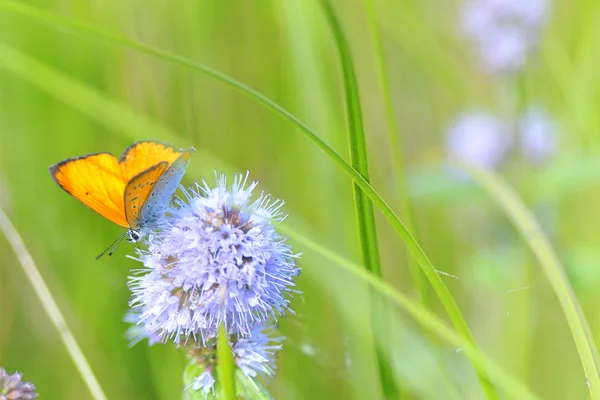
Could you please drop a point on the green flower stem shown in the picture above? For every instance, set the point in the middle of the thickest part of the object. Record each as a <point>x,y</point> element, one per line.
<point>225,366</point>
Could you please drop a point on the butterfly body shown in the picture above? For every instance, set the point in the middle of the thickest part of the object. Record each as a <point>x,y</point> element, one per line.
<point>132,191</point>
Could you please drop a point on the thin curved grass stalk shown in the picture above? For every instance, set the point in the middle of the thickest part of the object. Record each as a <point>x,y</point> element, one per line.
<point>532,233</point>
<point>415,249</point>
<point>50,306</point>
<point>512,387</point>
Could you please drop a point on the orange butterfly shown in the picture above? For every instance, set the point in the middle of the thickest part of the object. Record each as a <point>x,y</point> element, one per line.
<point>131,191</point>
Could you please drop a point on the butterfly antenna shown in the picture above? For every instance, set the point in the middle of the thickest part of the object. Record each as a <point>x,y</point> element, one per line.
<point>113,246</point>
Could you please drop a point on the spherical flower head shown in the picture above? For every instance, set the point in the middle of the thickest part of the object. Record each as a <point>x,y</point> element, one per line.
<point>538,135</point>
<point>215,258</point>
<point>505,31</point>
<point>12,388</point>
<point>478,138</point>
<point>253,354</point>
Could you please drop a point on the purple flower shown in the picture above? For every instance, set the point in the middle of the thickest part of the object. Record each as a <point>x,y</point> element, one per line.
<point>505,31</point>
<point>538,135</point>
<point>215,258</point>
<point>478,138</point>
<point>12,388</point>
<point>138,332</point>
<point>255,353</point>
<point>205,382</point>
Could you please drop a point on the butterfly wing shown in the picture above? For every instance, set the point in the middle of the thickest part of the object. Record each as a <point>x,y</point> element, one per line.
<point>143,155</point>
<point>139,190</point>
<point>97,181</point>
<point>163,190</point>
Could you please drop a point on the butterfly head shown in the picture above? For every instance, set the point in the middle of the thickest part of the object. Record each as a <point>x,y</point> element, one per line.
<point>133,235</point>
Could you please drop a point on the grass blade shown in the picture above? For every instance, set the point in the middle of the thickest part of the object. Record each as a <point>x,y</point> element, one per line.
<point>532,233</point>
<point>50,306</point>
<point>514,388</point>
<point>357,145</point>
<point>395,142</point>
<point>367,230</point>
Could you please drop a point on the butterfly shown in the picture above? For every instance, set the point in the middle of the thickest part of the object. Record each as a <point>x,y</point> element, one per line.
<point>132,191</point>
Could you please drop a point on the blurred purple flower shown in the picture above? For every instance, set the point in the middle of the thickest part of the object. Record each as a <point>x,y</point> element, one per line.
<point>538,135</point>
<point>478,138</point>
<point>503,50</point>
<point>12,388</point>
<point>138,332</point>
<point>505,31</point>
<point>215,258</point>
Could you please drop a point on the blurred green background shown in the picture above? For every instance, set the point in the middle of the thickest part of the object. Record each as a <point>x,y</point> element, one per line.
<point>63,94</point>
